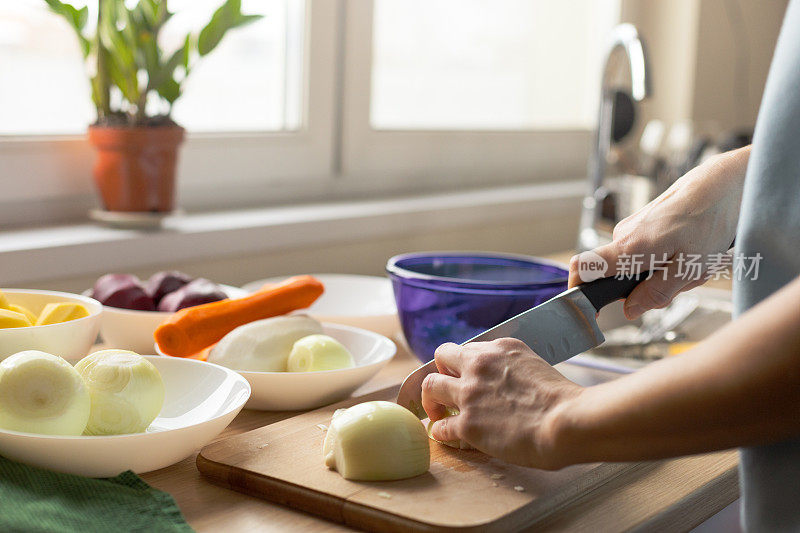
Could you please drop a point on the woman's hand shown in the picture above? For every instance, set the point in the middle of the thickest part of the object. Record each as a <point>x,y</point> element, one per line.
<point>696,216</point>
<point>715,396</point>
<point>508,400</point>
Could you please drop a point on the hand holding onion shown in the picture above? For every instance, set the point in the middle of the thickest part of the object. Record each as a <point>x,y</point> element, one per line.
<point>508,401</point>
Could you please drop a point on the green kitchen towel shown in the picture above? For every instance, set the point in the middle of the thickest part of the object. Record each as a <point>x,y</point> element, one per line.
<point>37,500</point>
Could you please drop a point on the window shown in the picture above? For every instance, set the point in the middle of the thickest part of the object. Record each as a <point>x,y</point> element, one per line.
<point>323,98</point>
<point>252,82</point>
<point>461,92</point>
<point>478,65</point>
<point>44,88</point>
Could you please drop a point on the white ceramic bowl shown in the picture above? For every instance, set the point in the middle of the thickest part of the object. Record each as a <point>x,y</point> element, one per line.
<point>201,400</point>
<point>133,330</point>
<point>71,340</point>
<point>297,391</point>
<point>362,301</point>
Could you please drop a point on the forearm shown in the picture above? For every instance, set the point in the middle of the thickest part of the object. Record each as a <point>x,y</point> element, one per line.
<point>741,386</point>
<point>695,217</point>
<point>726,183</point>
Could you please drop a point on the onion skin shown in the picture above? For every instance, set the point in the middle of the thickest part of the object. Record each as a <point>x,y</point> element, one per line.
<point>126,390</point>
<point>376,441</point>
<point>42,393</point>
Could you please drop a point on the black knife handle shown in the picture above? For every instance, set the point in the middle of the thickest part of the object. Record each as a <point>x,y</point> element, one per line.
<point>603,291</point>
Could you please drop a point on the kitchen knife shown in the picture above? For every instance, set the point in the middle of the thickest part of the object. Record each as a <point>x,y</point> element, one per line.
<point>556,330</point>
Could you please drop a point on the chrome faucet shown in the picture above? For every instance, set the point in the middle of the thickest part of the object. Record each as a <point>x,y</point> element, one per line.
<point>626,38</point>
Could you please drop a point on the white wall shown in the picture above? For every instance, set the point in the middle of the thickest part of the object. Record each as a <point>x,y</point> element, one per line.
<point>709,58</point>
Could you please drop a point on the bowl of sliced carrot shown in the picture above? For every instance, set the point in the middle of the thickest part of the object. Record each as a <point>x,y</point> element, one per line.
<point>292,362</point>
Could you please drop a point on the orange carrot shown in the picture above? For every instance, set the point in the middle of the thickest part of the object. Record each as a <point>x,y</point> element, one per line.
<point>192,329</point>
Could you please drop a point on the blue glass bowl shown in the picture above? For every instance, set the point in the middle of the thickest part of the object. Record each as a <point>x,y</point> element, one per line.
<point>452,296</point>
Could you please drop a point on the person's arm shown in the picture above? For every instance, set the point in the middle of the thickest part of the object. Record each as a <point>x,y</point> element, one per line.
<point>697,215</point>
<point>740,386</point>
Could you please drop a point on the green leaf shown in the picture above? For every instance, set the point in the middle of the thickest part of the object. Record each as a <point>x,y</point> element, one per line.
<point>114,42</point>
<point>130,31</point>
<point>243,20</point>
<point>166,72</point>
<point>214,31</point>
<point>161,9</point>
<point>228,16</point>
<point>170,91</point>
<point>120,56</point>
<point>76,18</point>
<point>129,89</point>
<point>150,11</point>
<point>152,54</point>
<point>96,91</point>
<point>187,51</point>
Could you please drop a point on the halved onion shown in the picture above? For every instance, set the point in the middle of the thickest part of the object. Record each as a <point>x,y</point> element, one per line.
<point>376,441</point>
<point>126,391</point>
<point>42,393</point>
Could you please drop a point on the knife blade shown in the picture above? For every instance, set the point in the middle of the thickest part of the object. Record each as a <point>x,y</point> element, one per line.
<point>556,330</point>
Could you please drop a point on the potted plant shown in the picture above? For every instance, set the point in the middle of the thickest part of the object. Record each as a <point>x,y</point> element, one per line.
<point>131,76</point>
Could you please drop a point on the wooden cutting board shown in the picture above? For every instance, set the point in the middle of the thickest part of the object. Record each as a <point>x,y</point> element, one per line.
<point>463,491</point>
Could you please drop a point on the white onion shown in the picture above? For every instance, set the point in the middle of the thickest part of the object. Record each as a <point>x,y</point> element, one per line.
<point>126,391</point>
<point>376,441</point>
<point>319,352</point>
<point>263,345</point>
<point>42,393</point>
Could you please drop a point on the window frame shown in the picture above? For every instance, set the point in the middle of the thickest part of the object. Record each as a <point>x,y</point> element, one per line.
<point>48,178</point>
<point>336,154</point>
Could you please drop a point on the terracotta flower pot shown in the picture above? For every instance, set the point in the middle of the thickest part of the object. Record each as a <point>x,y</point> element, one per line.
<point>135,167</point>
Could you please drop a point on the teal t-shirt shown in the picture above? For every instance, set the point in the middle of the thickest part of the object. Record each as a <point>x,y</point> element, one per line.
<point>769,225</point>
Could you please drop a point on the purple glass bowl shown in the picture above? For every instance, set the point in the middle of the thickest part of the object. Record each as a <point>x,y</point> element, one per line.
<point>452,296</point>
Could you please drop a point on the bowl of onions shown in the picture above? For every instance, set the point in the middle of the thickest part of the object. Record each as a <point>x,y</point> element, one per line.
<point>295,363</point>
<point>113,411</point>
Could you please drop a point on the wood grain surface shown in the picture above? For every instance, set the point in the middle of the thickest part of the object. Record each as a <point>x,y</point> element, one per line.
<point>682,492</point>
<point>462,491</point>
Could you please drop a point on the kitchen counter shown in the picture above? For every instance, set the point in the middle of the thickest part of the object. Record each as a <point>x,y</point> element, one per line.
<point>673,494</point>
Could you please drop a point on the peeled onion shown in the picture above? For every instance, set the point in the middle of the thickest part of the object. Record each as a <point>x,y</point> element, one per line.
<point>376,441</point>
<point>319,352</point>
<point>126,392</point>
<point>263,345</point>
<point>42,393</point>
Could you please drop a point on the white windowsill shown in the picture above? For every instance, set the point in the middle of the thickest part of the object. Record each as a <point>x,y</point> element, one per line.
<point>62,251</point>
